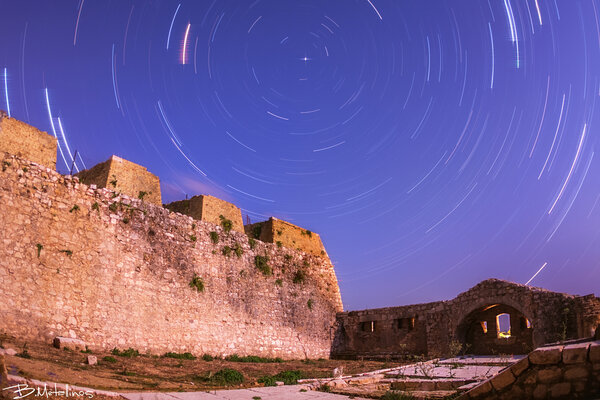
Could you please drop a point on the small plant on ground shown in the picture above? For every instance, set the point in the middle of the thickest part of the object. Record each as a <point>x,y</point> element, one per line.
<point>252,359</point>
<point>74,208</point>
<point>197,283</point>
<point>262,263</point>
<point>226,251</point>
<point>214,237</point>
<point>67,252</point>
<point>207,357</point>
<point>324,388</point>
<point>287,377</point>
<point>180,356</point>
<point>390,395</point>
<point>24,353</point>
<point>142,194</point>
<point>310,304</point>
<point>130,352</point>
<point>252,243</point>
<point>87,350</point>
<point>39,249</point>
<point>109,359</point>
<point>299,276</point>
<point>227,376</point>
<point>227,224</point>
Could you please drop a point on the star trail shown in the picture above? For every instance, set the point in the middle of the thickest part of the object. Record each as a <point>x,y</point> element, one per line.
<point>432,144</point>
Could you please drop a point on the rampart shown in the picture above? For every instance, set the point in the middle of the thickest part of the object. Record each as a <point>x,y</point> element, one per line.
<point>469,323</point>
<point>286,234</point>
<point>110,267</point>
<point>125,177</point>
<point>25,141</point>
<point>209,209</point>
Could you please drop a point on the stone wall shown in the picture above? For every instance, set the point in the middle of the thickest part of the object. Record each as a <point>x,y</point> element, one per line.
<point>565,371</point>
<point>288,235</point>
<point>24,140</point>
<point>209,209</point>
<point>115,271</point>
<point>448,326</point>
<point>125,177</point>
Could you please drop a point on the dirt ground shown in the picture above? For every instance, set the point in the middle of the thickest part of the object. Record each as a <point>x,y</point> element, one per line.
<point>157,373</point>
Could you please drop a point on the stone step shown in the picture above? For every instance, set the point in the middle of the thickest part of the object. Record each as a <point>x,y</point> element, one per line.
<point>427,384</point>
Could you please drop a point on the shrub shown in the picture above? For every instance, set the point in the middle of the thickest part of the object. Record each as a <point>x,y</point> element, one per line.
<point>110,359</point>
<point>180,356</point>
<point>252,243</point>
<point>287,377</point>
<point>130,352</point>
<point>227,224</point>
<point>299,276</point>
<point>227,376</point>
<point>252,359</point>
<point>207,357</point>
<point>238,250</point>
<point>214,237</point>
<point>261,263</point>
<point>197,283</point>
<point>226,250</point>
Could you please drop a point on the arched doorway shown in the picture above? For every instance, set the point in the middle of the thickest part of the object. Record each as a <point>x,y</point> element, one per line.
<point>496,329</point>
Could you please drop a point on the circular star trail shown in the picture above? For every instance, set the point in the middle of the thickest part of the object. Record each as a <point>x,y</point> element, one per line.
<point>432,144</point>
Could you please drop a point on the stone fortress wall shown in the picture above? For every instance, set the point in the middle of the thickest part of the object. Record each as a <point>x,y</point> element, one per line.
<point>468,323</point>
<point>209,209</point>
<point>102,265</point>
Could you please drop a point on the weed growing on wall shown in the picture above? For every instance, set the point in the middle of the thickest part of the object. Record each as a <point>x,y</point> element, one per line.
<point>226,251</point>
<point>67,252</point>
<point>5,164</point>
<point>113,181</point>
<point>227,224</point>
<point>279,282</point>
<point>74,208</point>
<point>279,244</point>
<point>39,249</point>
<point>96,206</point>
<point>193,238</point>
<point>197,283</point>
<point>299,276</point>
<point>214,237</point>
<point>262,263</point>
<point>142,194</point>
<point>310,304</point>
<point>256,230</point>
<point>113,206</point>
<point>238,250</point>
<point>252,243</point>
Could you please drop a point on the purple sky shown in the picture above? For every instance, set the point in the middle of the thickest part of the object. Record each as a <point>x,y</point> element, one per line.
<point>432,144</point>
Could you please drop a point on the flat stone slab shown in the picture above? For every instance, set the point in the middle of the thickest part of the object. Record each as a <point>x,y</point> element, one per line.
<point>426,370</point>
<point>291,392</point>
<point>492,360</point>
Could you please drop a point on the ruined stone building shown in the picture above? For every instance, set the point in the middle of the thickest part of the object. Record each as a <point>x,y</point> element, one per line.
<point>98,257</point>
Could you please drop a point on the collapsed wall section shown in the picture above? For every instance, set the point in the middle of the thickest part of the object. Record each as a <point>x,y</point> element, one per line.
<point>125,177</point>
<point>209,209</point>
<point>286,234</point>
<point>116,271</point>
<point>23,140</point>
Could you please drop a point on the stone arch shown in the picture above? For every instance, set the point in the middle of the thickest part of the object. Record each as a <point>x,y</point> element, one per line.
<point>484,330</point>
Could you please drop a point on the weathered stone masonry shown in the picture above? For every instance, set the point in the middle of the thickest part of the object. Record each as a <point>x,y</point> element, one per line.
<point>115,271</point>
<point>537,316</point>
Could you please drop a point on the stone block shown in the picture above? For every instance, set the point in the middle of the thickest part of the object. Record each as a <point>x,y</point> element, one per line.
<point>73,344</point>
<point>549,375</point>
<point>26,141</point>
<point>595,352</point>
<point>575,353</point>
<point>503,380</point>
<point>10,352</point>
<point>540,392</point>
<point>520,366</point>
<point>92,360</point>
<point>209,209</point>
<point>546,355</point>
<point>480,391</point>
<point>576,372</point>
<point>279,383</point>
<point>559,390</point>
<point>337,383</point>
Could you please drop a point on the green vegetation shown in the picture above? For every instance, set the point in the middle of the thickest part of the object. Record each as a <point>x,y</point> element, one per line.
<point>252,359</point>
<point>226,251</point>
<point>223,377</point>
<point>197,283</point>
<point>5,164</point>
<point>310,303</point>
<point>279,232</point>
<point>67,252</point>
<point>87,350</point>
<point>262,263</point>
<point>180,356</point>
<point>125,220</point>
<point>390,395</point>
<point>114,181</point>
<point>279,244</point>
<point>227,224</point>
<point>287,257</point>
<point>214,237</point>
<point>287,377</point>
<point>238,250</point>
<point>207,357</point>
<point>113,206</point>
<point>24,353</point>
<point>256,230</point>
<point>299,276</point>
<point>305,263</point>
<point>25,169</point>
<point>39,249</point>
<point>142,194</point>
<point>74,208</point>
<point>193,238</point>
<point>252,243</point>
<point>279,282</point>
<point>96,206</point>
<point>110,359</point>
<point>130,352</point>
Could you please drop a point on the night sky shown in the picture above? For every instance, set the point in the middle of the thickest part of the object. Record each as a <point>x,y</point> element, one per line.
<point>431,143</point>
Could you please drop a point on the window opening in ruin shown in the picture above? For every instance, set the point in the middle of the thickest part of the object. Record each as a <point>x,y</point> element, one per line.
<point>525,324</point>
<point>484,326</point>
<point>503,325</point>
<point>368,326</point>
<point>407,323</point>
